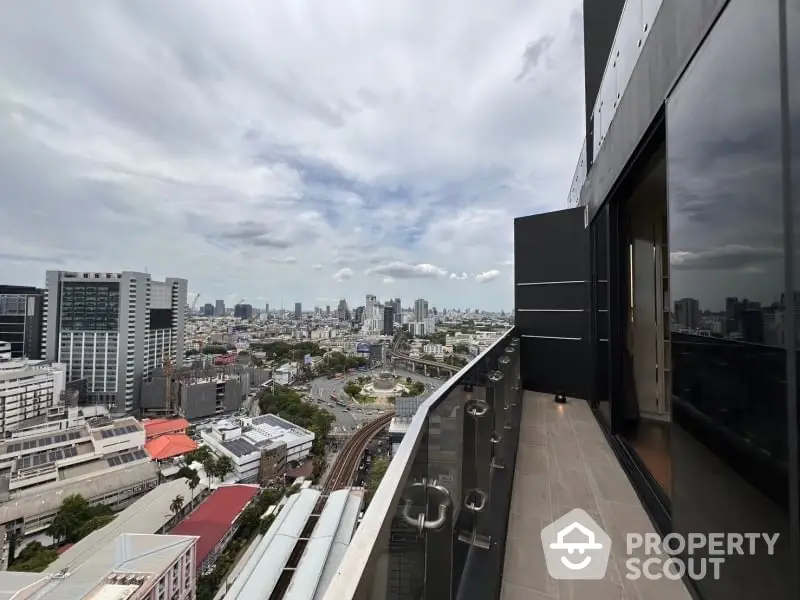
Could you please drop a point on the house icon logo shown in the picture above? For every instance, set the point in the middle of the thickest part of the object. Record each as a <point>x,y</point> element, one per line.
<point>575,547</point>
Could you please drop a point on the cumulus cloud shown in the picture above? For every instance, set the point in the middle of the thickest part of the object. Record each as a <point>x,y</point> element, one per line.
<point>487,276</point>
<point>154,134</point>
<point>343,275</point>
<point>458,277</point>
<point>399,270</point>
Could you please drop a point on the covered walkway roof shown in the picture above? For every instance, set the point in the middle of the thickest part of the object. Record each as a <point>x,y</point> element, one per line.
<point>322,547</point>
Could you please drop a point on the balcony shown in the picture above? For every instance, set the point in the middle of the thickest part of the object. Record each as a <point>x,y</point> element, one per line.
<point>483,468</point>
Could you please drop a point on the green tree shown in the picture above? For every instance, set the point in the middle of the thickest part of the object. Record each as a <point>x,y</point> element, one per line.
<point>198,455</point>
<point>222,467</point>
<point>72,521</point>
<point>376,473</point>
<point>215,350</point>
<point>192,481</point>
<point>33,558</point>
<point>352,388</point>
<point>209,466</point>
<point>320,464</point>
<point>176,505</point>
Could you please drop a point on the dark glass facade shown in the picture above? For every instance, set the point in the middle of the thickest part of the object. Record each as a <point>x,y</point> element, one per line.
<point>729,435</point>
<point>89,306</point>
<point>729,135</point>
<point>21,320</point>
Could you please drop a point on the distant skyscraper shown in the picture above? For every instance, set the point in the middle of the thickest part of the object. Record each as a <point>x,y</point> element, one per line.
<point>208,309</point>
<point>113,329</point>
<point>341,311</point>
<point>219,309</point>
<point>298,311</point>
<point>358,314</point>
<point>243,311</point>
<point>327,310</point>
<point>369,307</point>
<point>21,314</point>
<point>388,320</point>
<point>266,311</point>
<point>420,310</point>
<point>687,312</point>
<point>397,308</point>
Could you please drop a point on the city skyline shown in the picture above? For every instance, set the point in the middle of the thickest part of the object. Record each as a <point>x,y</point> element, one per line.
<point>321,177</point>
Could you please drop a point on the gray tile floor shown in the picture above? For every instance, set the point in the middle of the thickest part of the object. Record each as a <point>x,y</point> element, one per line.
<point>564,462</point>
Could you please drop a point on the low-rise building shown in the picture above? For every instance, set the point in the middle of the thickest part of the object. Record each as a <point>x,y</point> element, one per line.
<point>166,438</point>
<point>149,514</point>
<point>103,460</point>
<point>208,396</point>
<point>215,522</point>
<point>30,391</point>
<point>144,567</point>
<point>248,440</point>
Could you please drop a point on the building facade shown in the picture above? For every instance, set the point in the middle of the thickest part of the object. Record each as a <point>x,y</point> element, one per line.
<point>30,394</point>
<point>21,313</point>
<point>113,329</point>
<point>674,307</point>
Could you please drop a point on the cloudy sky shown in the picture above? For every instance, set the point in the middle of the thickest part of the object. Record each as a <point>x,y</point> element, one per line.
<point>286,151</point>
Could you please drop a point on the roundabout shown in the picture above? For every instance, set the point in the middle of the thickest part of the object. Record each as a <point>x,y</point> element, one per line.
<point>384,385</point>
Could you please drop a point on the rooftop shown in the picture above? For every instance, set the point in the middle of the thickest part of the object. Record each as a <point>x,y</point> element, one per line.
<point>142,555</point>
<point>28,503</point>
<point>156,427</point>
<point>319,558</point>
<point>214,517</point>
<point>169,445</point>
<point>147,515</point>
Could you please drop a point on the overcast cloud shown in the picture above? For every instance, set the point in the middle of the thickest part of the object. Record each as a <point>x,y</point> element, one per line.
<point>286,150</point>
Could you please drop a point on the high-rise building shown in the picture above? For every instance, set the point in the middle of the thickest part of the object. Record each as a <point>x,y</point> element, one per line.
<point>112,329</point>
<point>298,311</point>
<point>687,312</point>
<point>397,308</point>
<point>266,312</point>
<point>388,320</point>
<point>208,310</point>
<point>342,311</point>
<point>327,310</point>
<point>21,311</point>
<point>243,311</point>
<point>420,310</point>
<point>219,308</point>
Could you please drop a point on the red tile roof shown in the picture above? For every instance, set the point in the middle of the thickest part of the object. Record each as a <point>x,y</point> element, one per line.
<point>214,517</point>
<point>154,427</point>
<point>167,446</point>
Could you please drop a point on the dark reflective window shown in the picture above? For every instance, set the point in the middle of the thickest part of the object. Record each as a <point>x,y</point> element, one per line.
<point>729,432</point>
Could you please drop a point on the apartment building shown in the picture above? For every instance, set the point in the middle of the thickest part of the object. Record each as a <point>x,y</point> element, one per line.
<point>112,329</point>
<point>29,392</point>
<point>21,314</point>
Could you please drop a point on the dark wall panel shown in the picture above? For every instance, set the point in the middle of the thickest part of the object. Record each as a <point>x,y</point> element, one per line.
<point>677,31</point>
<point>551,252</point>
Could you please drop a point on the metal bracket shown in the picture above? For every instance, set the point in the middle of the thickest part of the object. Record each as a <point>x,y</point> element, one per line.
<point>477,407</point>
<point>420,522</point>
<point>475,500</point>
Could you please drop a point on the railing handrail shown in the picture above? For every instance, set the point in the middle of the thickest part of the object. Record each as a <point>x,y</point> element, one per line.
<point>351,570</point>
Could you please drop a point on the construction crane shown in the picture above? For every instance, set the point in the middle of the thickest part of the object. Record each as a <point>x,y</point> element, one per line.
<point>194,302</point>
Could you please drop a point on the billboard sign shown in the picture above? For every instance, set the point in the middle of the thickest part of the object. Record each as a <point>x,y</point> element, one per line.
<point>362,348</point>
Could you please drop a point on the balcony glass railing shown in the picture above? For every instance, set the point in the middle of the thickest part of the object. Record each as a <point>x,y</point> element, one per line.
<point>632,31</point>
<point>578,179</point>
<point>436,526</point>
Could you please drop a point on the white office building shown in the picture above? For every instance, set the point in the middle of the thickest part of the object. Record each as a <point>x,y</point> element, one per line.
<point>244,441</point>
<point>29,391</point>
<point>112,329</point>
